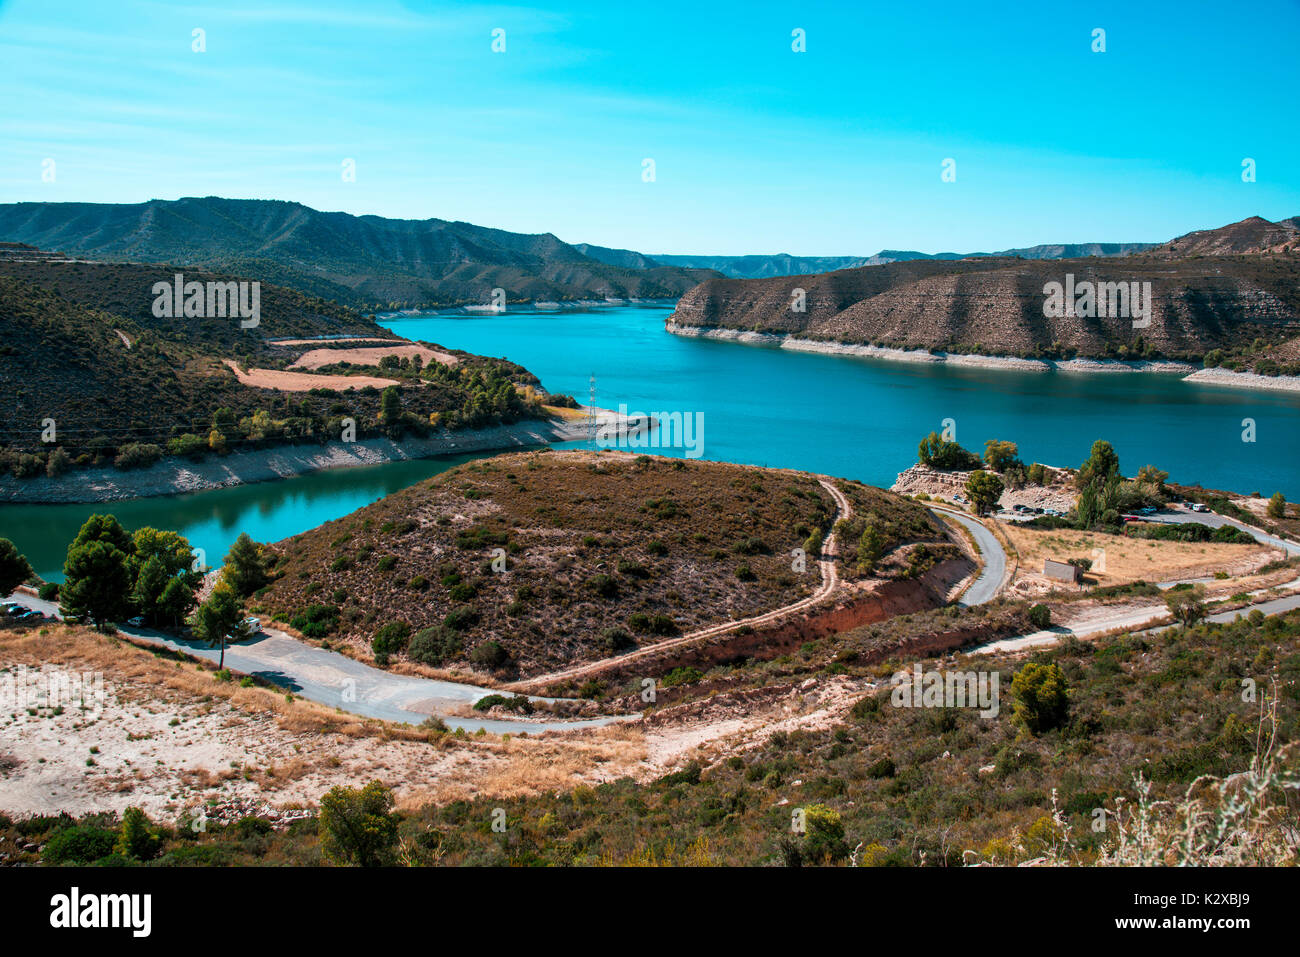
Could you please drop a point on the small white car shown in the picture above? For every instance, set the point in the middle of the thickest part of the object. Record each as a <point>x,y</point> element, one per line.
<point>135,622</point>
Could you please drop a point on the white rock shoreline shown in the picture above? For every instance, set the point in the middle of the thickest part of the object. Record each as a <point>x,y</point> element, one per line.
<point>1188,372</point>
<point>173,476</point>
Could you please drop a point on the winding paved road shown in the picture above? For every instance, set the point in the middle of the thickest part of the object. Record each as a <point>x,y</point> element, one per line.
<point>989,584</point>
<point>338,681</point>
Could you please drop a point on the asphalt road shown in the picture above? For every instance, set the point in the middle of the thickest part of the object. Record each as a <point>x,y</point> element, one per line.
<point>989,584</point>
<point>338,681</point>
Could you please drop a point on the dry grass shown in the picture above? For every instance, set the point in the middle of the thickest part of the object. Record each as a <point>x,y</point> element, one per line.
<point>170,736</point>
<point>1133,559</point>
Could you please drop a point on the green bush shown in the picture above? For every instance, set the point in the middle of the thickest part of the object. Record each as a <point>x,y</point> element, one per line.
<point>79,845</point>
<point>389,639</point>
<point>434,645</point>
<point>490,655</point>
<point>1040,616</point>
<point>1040,697</point>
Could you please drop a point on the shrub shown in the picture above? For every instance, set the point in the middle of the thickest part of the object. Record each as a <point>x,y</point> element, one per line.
<point>79,845</point>
<point>518,703</point>
<point>389,639</point>
<point>434,645</point>
<point>358,827</point>
<point>1040,616</point>
<point>490,655</point>
<point>1040,697</point>
<point>316,621</point>
<point>616,640</point>
<point>136,838</point>
<point>603,585</point>
<point>137,455</point>
<point>49,591</point>
<point>681,676</point>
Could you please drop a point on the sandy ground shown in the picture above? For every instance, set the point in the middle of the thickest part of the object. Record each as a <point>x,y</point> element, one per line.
<point>1117,559</point>
<point>283,381</point>
<point>168,738</point>
<point>370,357</point>
<point>1248,380</point>
<point>165,736</point>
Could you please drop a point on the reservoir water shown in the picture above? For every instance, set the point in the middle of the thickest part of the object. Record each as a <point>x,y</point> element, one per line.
<point>763,406</point>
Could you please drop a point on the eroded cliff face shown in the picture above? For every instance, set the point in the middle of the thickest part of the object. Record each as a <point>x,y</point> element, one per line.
<point>996,306</point>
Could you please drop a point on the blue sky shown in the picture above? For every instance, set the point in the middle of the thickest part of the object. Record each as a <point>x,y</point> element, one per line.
<point>757,149</point>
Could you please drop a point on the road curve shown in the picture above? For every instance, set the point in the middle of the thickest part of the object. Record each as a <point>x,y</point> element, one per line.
<point>830,582</point>
<point>989,584</point>
<point>335,680</point>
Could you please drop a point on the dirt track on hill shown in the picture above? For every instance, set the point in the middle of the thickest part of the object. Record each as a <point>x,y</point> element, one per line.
<point>830,584</point>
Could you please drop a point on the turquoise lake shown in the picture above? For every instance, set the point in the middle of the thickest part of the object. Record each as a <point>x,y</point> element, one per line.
<point>762,406</point>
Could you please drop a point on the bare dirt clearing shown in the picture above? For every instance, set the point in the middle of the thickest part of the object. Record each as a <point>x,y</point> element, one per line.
<point>1117,559</point>
<point>170,737</point>
<point>371,356</point>
<point>302,381</point>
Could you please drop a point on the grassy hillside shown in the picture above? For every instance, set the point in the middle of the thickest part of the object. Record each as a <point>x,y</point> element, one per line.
<point>361,261</point>
<point>602,552</point>
<point>79,344</point>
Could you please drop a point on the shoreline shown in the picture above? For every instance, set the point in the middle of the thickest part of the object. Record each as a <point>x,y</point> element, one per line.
<point>178,476</point>
<point>1187,371</point>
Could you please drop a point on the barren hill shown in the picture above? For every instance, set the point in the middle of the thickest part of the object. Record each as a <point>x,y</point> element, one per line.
<point>996,306</point>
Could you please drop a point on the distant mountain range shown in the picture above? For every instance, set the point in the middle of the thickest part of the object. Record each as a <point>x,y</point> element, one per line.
<point>366,262</point>
<point>371,262</point>
<point>783,264</point>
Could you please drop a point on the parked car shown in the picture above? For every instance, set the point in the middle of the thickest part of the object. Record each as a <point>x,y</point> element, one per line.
<point>14,610</point>
<point>1198,507</point>
<point>135,622</point>
<point>252,625</point>
<point>32,616</point>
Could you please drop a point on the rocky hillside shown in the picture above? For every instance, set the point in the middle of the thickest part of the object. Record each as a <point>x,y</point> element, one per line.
<point>996,305</point>
<point>596,554</point>
<point>361,261</point>
<point>1254,235</point>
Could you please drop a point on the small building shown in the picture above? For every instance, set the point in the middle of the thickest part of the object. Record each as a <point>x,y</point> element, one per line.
<point>1062,571</point>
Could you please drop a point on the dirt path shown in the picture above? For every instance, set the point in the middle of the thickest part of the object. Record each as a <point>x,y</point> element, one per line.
<point>829,584</point>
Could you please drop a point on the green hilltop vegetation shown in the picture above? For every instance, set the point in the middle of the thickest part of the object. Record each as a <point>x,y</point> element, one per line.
<point>79,344</point>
